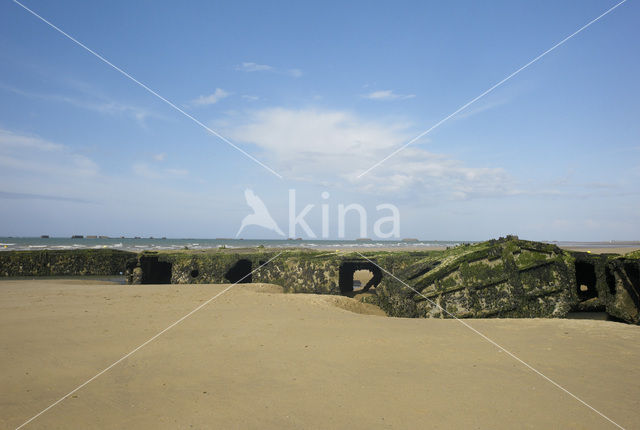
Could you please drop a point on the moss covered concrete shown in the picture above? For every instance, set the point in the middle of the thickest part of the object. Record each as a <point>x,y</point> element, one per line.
<point>64,263</point>
<point>507,277</point>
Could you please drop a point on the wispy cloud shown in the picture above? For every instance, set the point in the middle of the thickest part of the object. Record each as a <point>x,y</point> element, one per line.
<point>41,178</point>
<point>29,196</point>
<point>73,165</point>
<point>386,95</point>
<point>255,67</point>
<point>9,139</point>
<point>89,101</point>
<point>145,171</point>
<point>490,105</point>
<point>250,97</point>
<point>211,99</point>
<point>177,172</point>
<point>26,153</point>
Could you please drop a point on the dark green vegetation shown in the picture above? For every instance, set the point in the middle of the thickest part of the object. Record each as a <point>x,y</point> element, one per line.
<point>507,277</point>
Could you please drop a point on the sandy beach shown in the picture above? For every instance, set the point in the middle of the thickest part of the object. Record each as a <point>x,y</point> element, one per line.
<point>257,358</point>
<point>319,215</point>
<point>622,250</point>
<point>597,248</point>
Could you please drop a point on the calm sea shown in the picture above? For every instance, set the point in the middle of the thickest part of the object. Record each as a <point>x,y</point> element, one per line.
<point>142,244</point>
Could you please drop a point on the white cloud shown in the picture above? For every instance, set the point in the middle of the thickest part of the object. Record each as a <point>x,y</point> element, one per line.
<point>250,97</point>
<point>145,171</point>
<point>333,147</point>
<point>481,108</point>
<point>9,139</point>
<point>20,153</point>
<point>160,157</point>
<point>387,95</point>
<point>177,172</point>
<point>83,165</point>
<point>254,67</point>
<point>211,99</point>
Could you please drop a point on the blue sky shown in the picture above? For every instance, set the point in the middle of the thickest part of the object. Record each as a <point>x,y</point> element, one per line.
<point>320,92</point>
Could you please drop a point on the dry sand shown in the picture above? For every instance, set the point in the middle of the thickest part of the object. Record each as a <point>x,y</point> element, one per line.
<point>256,358</point>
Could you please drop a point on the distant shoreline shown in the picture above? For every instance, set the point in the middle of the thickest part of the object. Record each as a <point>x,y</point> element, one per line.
<point>161,244</point>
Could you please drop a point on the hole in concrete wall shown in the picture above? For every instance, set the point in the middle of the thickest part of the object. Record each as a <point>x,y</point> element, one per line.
<point>154,271</point>
<point>361,278</point>
<point>586,280</point>
<point>195,273</point>
<point>611,280</point>
<point>346,276</point>
<point>239,272</point>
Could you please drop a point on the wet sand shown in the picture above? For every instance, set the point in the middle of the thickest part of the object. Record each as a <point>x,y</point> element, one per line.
<point>594,248</point>
<point>256,358</point>
<point>603,250</point>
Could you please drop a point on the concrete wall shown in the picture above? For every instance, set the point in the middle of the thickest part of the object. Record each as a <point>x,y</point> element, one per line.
<point>498,278</point>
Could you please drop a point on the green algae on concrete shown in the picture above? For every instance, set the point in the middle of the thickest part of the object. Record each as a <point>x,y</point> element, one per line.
<point>514,278</point>
<point>80,262</point>
<point>507,277</point>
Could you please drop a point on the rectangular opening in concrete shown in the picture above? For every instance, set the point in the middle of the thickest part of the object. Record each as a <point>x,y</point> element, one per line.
<point>240,272</point>
<point>586,280</point>
<point>154,271</point>
<point>346,276</point>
